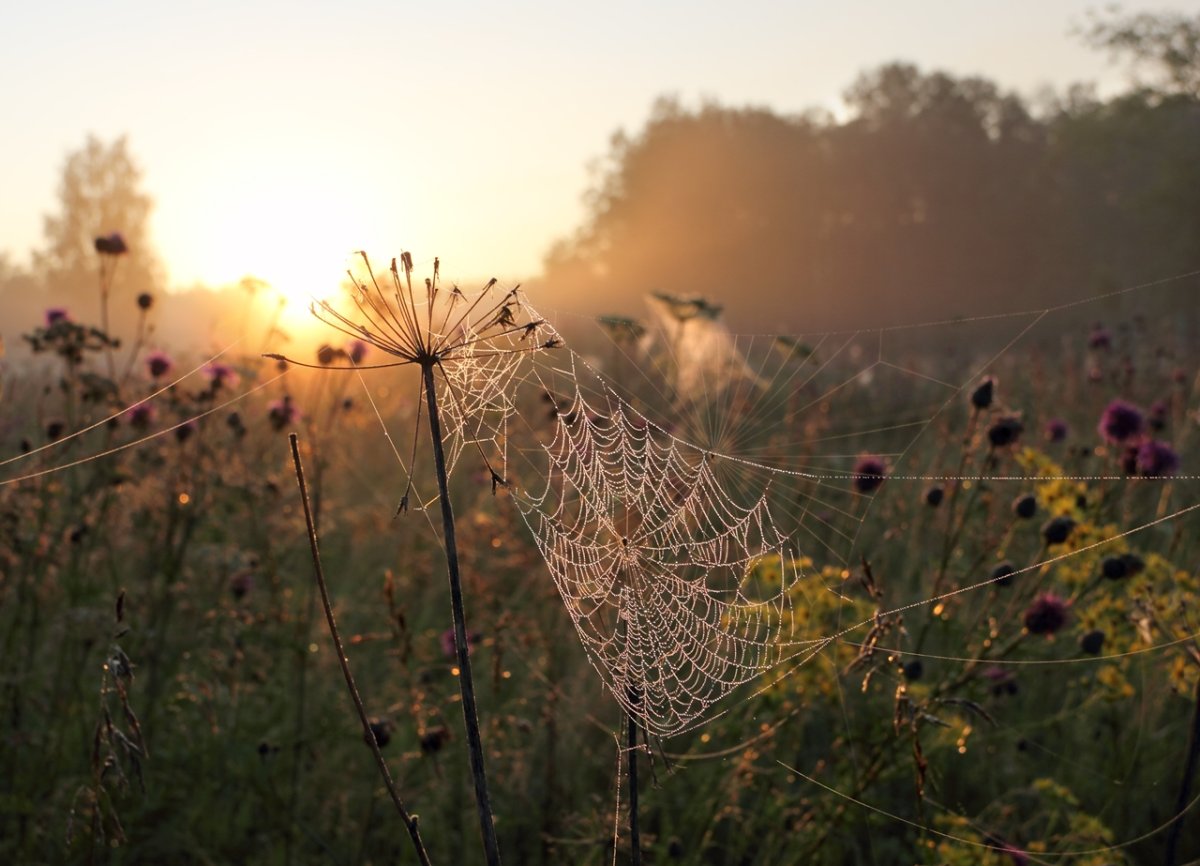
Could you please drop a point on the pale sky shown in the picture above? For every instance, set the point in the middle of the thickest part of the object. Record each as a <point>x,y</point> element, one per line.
<point>278,137</point>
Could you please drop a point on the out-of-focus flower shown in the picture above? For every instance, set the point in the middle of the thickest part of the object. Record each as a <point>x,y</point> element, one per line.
<point>54,429</point>
<point>326,355</point>
<point>356,350</point>
<point>1092,642</point>
<point>1002,574</point>
<point>1002,680</point>
<point>220,375</point>
<point>54,315</point>
<point>447,642</point>
<point>381,730</point>
<point>914,670</point>
<point>983,395</point>
<point>141,416</point>
<point>184,431</point>
<point>1046,614</point>
<point>869,473</point>
<point>1160,410</point>
<point>1100,337</point>
<point>1025,506</point>
<point>1156,459</point>
<point>145,301</point>
<point>1120,421</point>
<point>934,496</point>
<point>1056,530</point>
<point>159,364</point>
<point>1005,431</point>
<point>111,245</point>
<point>433,739</point>
<point>282,412</point>
<point>1056,430</point>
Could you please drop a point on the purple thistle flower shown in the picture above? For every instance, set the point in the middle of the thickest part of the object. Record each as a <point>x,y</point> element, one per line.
<point>184,431</point>
<point>1156,459</point>
<point>1160,410</point>
<point>1046,614</point>
<point>869,473</point>
<point>1100,337</point>
<point>54,315</point>
<point>159,364</point>
<point>1120,421</point>
<point>141,416</point>
<point>220,375</point>
<point>1056,430</point>
<point>356,350</point>
<point>111,245</point>
<point>282,412</point>
<point>447,642</point>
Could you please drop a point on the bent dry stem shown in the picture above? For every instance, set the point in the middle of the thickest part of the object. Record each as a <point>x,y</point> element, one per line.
<point>466,682</point>
<point>410,821</point>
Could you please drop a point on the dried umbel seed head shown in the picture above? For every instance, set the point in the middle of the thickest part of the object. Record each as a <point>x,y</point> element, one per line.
<point>1056,530</point>
<point>1025,506</point>
<point>984,394</point>
<point>934,496</point>
<point>1046,614</point>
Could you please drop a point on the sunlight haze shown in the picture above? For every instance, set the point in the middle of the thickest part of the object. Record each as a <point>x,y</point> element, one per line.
<point>278,138</point>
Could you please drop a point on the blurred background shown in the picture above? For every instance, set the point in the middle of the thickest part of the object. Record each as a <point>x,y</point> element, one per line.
<point>866,165</point>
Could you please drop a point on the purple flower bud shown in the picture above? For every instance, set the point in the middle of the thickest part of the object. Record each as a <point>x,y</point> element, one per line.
<point>1156,459</point>
<point>869,473</point>
<point>1046,614</point>
<point>1120,421</point>
<point>111,245</point>
<point>159,364</point>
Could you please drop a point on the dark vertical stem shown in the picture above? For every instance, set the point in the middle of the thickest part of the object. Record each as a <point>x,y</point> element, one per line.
<point>466,682</point>
<point>1185,784</point>
<point>410,821</point>
<point>635,839</point>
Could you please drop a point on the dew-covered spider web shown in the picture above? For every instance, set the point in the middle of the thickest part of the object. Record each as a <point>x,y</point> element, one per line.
<point>693,493</point>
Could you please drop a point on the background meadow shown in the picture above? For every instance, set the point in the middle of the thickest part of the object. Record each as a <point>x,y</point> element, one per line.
<point>947,335</point>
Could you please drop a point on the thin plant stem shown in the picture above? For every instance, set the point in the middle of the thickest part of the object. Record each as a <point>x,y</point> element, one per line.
<point>466,682</point>
<point>1185,783</point>
<point>410,821</point>
<point>635,839</point>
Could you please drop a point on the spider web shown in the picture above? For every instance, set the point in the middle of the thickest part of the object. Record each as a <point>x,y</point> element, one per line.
<point>679,563</point>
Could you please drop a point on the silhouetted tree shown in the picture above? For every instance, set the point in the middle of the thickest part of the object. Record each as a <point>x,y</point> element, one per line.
<point>100,193</point>
<point>1166,43</point>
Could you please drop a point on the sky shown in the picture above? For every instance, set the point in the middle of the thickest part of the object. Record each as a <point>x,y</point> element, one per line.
<point>276,138</point>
